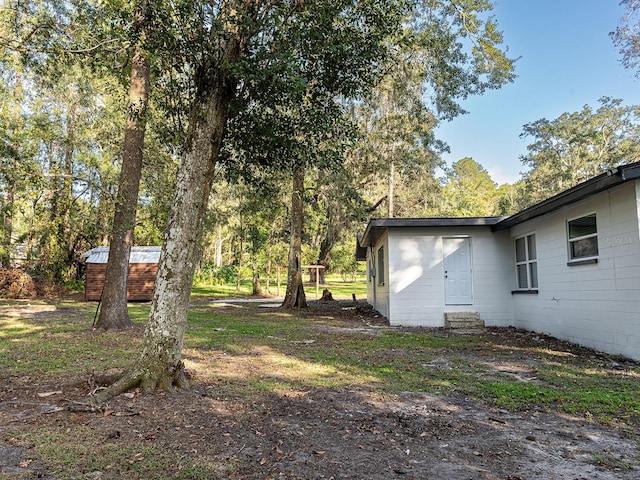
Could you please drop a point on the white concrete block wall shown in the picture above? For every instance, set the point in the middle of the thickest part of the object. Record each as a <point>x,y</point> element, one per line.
<point>416,276</point>
<point>494,277</point>
<point>596,305</point>
<point>378,295</point>
<point>370,280</point>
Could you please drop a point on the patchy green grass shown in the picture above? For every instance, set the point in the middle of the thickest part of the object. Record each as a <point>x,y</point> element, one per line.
<point>578,387</point>
<point>46,338</point>
<point>615,395</point>
<point>317,353</point>
<point>247,351</point>
<point>54,339</point>
<point>610,461</point>
<point>87,453</point>
<point>339,288</point>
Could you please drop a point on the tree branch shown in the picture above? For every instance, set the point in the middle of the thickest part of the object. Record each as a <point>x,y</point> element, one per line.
<point>81,179</point>
<point>376,205</point>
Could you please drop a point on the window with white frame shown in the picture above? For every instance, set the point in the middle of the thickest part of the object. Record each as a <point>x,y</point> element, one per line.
<point>583,237</point>
<point>380,272</point>
<point>527,262</point>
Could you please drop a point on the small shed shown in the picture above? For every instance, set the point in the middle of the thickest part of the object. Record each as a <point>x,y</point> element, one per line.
<point>143,268</point>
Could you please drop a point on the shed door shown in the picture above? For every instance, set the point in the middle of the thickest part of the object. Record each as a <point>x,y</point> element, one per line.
<point>457,271</point>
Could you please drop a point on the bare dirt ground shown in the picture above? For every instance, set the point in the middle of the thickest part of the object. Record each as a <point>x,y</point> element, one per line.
<point>349,433</point>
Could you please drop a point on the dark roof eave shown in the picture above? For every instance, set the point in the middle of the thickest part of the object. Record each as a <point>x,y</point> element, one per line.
<point>361,252</point>
<point>377,226</point>
<point>613,177</point>
<point>609,179</point>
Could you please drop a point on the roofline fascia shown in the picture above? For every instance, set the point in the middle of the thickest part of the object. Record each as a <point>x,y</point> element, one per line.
<point>425,222</point>
<point>611,178</point>
<point>631,172</point>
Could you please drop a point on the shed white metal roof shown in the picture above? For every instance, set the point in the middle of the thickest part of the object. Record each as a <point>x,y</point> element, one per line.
<point>147,254</point>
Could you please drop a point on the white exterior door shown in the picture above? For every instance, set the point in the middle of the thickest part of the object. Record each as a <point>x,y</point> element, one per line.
<point>457,271</point>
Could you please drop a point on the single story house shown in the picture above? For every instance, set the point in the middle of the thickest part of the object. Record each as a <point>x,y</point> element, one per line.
<point>141,280</point>
<point>568,266</point>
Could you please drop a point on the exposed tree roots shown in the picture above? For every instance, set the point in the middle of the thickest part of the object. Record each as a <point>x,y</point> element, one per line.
<point>297,299</point>
<point>147,379</point>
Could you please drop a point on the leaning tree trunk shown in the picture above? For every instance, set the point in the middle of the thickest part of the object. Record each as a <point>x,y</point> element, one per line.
<point>295,297</point>
<point>114,313</point>
<point>160,362</point>
<point>326,245</point>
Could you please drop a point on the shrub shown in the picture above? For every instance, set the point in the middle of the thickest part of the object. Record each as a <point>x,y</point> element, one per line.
<point>212,275</point>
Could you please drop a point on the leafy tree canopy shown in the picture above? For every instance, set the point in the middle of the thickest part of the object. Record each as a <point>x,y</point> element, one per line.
<point>627,36</point>
<point>577,146</point>
<point>469,190</point>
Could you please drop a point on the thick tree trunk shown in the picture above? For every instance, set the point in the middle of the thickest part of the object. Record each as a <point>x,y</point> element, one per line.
<point>257,287</point>
<point>160,362</point>
<point>326,245</point>
<point>295,297</point>
<point>114,313</point>
<point>392,174</point>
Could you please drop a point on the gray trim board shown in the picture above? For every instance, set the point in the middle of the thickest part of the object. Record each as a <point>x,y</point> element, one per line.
<point>611,178</point>
<point>377,226</point>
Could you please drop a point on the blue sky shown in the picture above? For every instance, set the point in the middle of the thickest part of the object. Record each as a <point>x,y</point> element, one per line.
<point>567,61</point>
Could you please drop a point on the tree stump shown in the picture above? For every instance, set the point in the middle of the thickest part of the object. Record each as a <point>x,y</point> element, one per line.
<point>326,296</point>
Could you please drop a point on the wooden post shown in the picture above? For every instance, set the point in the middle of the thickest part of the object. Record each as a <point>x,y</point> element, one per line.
<point>317,270</point>
<point>278,275</point>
